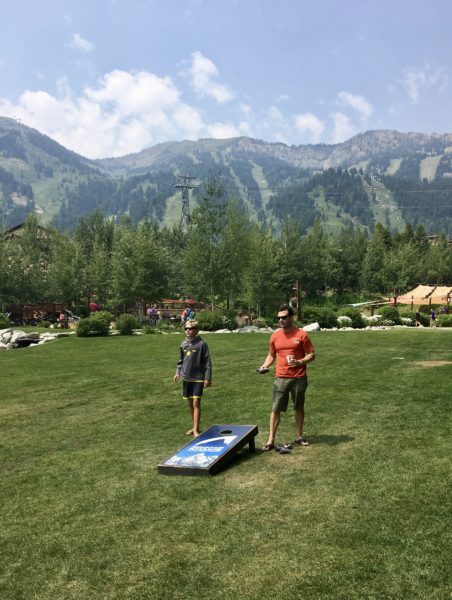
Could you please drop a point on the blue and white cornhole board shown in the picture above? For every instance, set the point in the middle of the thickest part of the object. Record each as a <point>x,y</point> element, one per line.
<point>208,453</point>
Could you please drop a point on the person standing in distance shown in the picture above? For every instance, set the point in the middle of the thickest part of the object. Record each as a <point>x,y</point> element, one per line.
<point>292,348</point>
<point>194,367</point>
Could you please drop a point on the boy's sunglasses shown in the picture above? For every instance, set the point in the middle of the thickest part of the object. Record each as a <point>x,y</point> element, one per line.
<point>189,328</point>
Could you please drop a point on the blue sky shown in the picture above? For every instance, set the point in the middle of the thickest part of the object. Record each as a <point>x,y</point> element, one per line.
<point>111,77</point>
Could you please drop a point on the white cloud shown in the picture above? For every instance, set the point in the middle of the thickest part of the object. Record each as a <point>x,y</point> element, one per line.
<point>357,103</point>
<point>274,114</point>
<point>124,113</point>
<point>228,130</point>
<point>343,128</point>
<point>282,98</point>
<point>415,81</point>
<point>80,43</point>
<point>202,74</point>
<point>309,124</point>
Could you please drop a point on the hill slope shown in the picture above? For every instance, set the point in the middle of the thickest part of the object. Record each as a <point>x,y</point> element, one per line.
<point>378,176</point>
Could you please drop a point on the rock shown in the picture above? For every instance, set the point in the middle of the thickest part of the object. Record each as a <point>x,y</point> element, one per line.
<point>312,327</point>
<point>223,331</point>
<point>17,335</point>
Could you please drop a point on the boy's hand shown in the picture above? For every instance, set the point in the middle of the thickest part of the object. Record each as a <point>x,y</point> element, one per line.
<point>176,378</point>
<point>206,383</point>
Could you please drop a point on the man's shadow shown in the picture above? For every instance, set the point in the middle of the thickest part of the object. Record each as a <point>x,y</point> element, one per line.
<point>330,440</point>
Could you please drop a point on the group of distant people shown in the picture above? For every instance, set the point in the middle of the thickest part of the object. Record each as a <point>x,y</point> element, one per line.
<point>433,316</point>
<point>154,315</point>
<point>290,346</point>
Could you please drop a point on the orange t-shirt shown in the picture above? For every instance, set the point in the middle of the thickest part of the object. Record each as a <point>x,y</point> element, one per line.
<point>296,342</point>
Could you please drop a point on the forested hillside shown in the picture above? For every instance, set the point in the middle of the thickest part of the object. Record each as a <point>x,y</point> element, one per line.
<point>378,177</point>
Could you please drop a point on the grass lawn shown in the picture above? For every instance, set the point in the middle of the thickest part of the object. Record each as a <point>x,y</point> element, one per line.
<point>363,513</point>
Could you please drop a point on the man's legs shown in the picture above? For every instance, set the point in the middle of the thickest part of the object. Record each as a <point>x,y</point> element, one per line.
<point>299,420</point>
<point>275,418</point>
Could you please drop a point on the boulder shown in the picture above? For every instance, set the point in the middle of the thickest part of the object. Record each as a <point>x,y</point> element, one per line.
<point>312,327</point>
<point>5,335</point>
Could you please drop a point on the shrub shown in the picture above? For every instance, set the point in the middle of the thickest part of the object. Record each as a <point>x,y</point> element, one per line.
<point>444,320</point>
<point>344,321</point>
<point>148,330</point>
<point>4,321</point>
<point>407,321</point>
<point>125,324</point>
<point>211,321</point>
<point>411,314</point>
<point>354,314</point>
<point>261,322</point>
<point>325,316</point>
<point>91,328</point>
<point>103,316</point>
<point>163,325</point>
<point>390,315</point>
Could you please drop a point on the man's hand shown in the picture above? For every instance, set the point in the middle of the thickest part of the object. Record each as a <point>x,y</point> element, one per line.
<point>207,383</point>
<point>176,378</point>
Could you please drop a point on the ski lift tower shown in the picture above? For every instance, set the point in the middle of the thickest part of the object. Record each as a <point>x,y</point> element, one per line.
<point>185,186</point>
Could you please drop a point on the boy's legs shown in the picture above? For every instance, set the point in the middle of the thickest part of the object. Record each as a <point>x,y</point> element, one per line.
<point>194,405</point>
<point>192,391</point>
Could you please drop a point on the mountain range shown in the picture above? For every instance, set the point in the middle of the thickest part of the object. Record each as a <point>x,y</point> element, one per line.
<point>378,176</point>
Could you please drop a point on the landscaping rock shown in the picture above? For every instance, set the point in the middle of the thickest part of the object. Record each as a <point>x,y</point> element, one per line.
<point>10,338</point>
<point>312,327</point>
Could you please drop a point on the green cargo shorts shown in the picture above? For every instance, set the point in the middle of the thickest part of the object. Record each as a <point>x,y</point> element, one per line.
<point>283,386</point>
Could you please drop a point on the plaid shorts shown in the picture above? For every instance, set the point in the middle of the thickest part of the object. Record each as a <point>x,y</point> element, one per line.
<point>283,386</point>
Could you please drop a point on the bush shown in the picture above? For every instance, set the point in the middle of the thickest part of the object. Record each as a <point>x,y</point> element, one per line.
<point>103,316</point>
<point>125,324</point>
<point>344,321</point>
<point>148,330</point>
<point>262,322</point>
<point>4,321</point>
<point>411,314</point>
<point>212,321</point>
<point>354,314</point>
<point>164,325</point>
<point>390,315</point>
<point>444,320</point>
<point>325,316</point>
<point>91,328</point>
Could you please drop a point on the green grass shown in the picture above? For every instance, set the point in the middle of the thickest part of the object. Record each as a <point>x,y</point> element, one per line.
<point>363,513</point>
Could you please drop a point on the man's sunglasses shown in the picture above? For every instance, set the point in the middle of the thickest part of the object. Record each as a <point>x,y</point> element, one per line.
<point>283,317</point>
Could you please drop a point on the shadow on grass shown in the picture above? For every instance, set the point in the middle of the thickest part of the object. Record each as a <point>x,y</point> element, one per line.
<point>331,440</point>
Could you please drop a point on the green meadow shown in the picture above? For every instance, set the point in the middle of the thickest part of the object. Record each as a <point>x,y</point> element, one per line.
<point>363,513</point>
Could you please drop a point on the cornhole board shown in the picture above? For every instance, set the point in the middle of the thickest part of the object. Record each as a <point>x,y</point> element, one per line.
<point>211,451</point>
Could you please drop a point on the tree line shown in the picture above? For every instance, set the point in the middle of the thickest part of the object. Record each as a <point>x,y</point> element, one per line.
<point>223,258</point>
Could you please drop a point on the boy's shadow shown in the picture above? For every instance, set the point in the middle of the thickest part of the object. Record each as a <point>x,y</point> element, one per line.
<point>330,440</point>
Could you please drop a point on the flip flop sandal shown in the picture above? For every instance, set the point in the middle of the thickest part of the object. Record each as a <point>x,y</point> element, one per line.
<point>268,447</point>
<point>301,442</point>
<point>283,449</point>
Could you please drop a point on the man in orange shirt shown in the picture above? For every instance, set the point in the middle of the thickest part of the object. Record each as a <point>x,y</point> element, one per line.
<point>292,348</point>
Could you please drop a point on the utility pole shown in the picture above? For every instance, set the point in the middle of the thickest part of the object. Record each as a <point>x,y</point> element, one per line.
<point>185,186</point>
